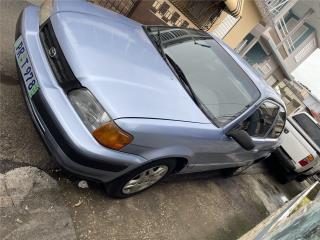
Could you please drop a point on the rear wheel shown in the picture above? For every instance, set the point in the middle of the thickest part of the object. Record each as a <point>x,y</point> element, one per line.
<point>301,178</point>
<point>287,177</point>
<point>140,179</point>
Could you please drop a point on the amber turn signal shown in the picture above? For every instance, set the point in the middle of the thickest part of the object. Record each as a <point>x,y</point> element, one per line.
<point>310,157</point>
<point>111,136</point>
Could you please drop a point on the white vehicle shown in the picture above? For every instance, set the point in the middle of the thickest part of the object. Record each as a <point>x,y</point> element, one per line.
<point>300,150</point>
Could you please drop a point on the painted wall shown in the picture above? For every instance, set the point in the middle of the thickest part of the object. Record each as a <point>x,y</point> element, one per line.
<point>250,17</point>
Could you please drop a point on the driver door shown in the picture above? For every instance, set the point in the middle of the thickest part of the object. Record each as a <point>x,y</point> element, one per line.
<point>264,126</point>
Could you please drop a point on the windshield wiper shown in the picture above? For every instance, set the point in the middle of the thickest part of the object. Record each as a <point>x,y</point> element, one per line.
<point>232,116</point>
<point>200,44</point>
<point>177,69</point>
<point>183,78</point>
<point>159,43</point>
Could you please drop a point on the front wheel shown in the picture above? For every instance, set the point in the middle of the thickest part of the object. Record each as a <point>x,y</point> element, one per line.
<point>140,179</point>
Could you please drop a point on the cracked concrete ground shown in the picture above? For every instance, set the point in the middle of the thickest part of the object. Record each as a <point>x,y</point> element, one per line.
<point>31,207</point>
<point>203,206</point>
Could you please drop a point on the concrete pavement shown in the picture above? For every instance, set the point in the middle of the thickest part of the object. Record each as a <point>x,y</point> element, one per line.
<point>32,207</point>
<point>19,145</point>
<point>204,206</point>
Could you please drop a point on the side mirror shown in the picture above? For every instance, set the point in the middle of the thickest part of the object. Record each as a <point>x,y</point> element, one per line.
<point>243,138</point>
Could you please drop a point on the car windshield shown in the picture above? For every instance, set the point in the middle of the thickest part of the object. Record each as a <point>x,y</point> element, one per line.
<point>220,85</point>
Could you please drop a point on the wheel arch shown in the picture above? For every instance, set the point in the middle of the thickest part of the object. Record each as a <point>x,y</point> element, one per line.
<point>181,163</point>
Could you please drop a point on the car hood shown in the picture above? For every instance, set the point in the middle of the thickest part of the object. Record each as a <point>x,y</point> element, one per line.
<point>112,56</point>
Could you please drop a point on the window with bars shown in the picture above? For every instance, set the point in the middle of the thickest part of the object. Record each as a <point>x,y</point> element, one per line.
<point>120,6</point>
<point>275,6</point>
<point>175,17</point>
<point>155,6</point>
<point>225,26</point>
<point>185,24</point>
<point>164,8</point>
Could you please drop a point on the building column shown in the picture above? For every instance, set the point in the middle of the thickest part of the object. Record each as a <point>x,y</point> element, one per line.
<point>277,54</point>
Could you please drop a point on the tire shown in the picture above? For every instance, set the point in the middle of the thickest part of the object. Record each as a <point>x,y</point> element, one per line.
<point>301,178</point>
<point>119,188</point>
<point>287,177</point>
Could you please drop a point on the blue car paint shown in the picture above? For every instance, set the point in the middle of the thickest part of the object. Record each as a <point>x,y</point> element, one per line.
<point>139,91</point>
<point>128,76</point>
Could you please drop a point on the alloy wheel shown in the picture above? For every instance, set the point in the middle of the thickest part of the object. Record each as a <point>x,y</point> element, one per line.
<point>145,179</point>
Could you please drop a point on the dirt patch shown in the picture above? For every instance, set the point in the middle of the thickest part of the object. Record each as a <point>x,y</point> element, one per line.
<point>8,80</point>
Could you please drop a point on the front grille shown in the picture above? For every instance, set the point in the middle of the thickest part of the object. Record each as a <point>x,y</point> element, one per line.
<point>56,59</point>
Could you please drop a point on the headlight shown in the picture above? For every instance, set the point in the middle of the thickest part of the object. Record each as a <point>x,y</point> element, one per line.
<point>46,9</point>
<point>98,122</point>
<point>90,111</point>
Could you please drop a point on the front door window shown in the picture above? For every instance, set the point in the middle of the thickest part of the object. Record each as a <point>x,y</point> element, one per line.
<point>266,122</point>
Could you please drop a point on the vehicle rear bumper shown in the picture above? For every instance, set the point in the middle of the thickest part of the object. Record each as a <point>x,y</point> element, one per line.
<point>315,169</point>
<point>65,135</point>
<point>289,165</point>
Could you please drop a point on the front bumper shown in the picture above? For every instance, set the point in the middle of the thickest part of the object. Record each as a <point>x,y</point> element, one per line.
<point>67,138</point>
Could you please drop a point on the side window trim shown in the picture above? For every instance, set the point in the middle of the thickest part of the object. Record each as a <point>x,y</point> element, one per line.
<point>273,124</point>
<point>274,121</point>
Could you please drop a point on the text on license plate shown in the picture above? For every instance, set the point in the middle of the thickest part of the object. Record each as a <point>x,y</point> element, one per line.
<point>29,78</point>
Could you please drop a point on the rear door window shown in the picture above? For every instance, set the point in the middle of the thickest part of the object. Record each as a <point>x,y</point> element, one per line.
<point>309,126</point>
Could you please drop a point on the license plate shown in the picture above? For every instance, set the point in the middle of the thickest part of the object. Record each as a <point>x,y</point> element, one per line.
<point>29,78</point>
